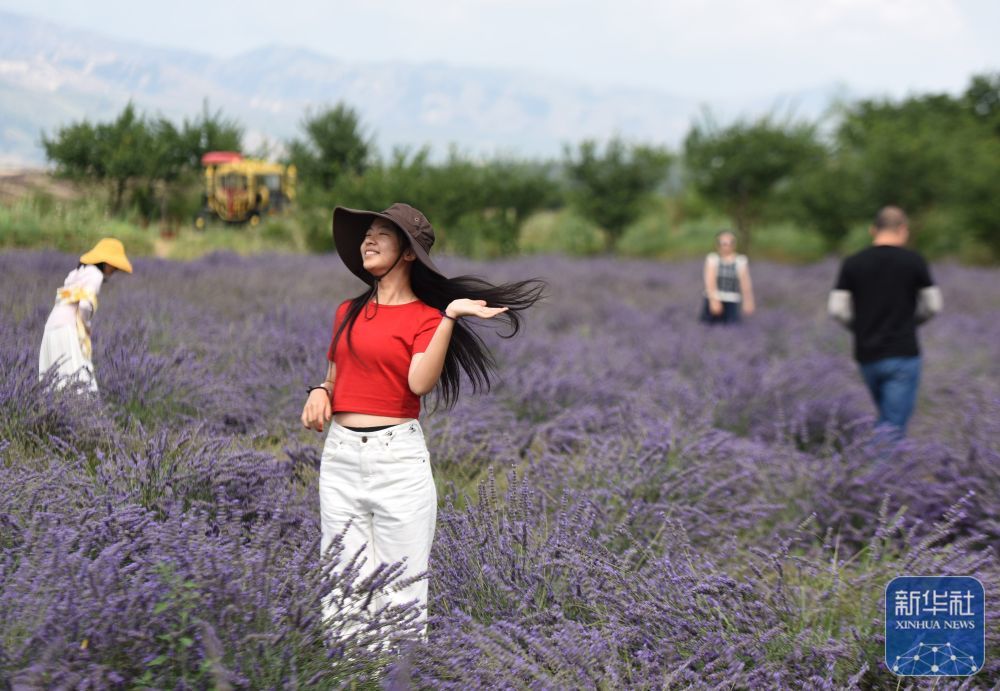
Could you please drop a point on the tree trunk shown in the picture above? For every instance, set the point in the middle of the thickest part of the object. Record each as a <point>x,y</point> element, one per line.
<point>742,217</point>
<point>116,206</point>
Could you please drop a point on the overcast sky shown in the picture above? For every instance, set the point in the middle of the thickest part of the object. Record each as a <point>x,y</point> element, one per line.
<point>715,50</point>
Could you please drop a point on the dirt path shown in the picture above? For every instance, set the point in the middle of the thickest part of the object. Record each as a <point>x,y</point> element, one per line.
<point>162,247</point>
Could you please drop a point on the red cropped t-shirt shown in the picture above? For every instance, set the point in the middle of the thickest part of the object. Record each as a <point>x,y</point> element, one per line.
<point>372,373</point>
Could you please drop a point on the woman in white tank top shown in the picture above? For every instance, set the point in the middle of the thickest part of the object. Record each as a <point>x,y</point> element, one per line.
<point>728,290</point>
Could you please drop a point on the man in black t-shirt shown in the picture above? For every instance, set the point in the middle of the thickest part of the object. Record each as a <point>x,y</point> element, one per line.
<point>882,294</point>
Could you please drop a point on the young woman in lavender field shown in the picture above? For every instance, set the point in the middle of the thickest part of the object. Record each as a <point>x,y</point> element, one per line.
<point>66,340</point>
<point>728,290</point>
<point>400,339</point>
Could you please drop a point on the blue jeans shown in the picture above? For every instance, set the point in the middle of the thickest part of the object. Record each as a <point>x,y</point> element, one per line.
<point>893,383</point>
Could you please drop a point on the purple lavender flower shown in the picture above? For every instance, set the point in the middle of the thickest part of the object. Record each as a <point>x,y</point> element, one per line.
<point>641,502</point>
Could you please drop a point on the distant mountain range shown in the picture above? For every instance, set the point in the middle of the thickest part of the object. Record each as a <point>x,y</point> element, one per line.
<point>51,75</point>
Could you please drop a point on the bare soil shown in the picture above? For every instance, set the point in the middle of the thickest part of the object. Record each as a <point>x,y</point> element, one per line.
<point>16,183</point>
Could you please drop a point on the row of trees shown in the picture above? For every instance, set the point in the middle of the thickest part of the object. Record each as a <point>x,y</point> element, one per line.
<point>938,156</point>
<point>139,157</point>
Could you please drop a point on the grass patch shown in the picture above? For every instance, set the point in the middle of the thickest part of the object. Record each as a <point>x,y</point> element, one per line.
<point>284,235</point>
<point>38,222</point>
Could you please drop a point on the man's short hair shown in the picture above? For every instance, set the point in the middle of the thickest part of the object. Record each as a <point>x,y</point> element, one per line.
<point>890,218</point>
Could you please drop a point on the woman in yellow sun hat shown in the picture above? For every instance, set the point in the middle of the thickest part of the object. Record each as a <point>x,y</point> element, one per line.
<point>66,342</point>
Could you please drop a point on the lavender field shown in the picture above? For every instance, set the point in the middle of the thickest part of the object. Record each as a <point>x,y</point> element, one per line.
<point>642,502</point>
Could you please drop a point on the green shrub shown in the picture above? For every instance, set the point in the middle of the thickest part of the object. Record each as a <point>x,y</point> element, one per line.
<point>273,235</point>
<point>942,232</point>
<point>649,236</point>
<point>561,232</point>
<point>692,237</point>
<point>788,242</point>
<point>938,233</point>
<point>315,223</point>
<point>184,202</point>
<point>482,234</point>
<point>857,239</point>
<point>38,222</point>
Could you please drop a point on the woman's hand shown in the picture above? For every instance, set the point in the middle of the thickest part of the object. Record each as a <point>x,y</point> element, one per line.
<point>426,367</point>
<point>748,307</point>
<point>465,307</point>
<point>715,306</point>
<point>317,410</point>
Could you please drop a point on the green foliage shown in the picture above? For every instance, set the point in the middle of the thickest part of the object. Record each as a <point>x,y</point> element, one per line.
<point>180,608</point>
<point>287,234</point>
<point>184,199</point>
<point>785,241</point>
<point>982,99</point>
<point>610,186</point>
<point>404,177</point>
<point>561,232</point>
<point>743,166</point>
<point>669,229</point>
<point>936,156</point>
<point>208,132</point>
<point>896,153</point>
<point>822,197</point>
<point>649,235</point>
<point>494,199</point>
<point>315,223</point>
<point>138,158</point>
<point>477,208</point>
<point>334,145</point>
<point>41,222</point>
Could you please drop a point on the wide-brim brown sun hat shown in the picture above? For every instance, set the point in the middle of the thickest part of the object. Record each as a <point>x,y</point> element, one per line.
<point>350,226</point>
<point>111,252</point>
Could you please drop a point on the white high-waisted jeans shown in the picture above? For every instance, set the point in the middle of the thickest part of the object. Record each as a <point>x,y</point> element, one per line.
<point>381,483</point>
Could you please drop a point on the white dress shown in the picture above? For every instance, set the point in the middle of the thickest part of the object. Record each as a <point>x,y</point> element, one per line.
<point>66,341</point>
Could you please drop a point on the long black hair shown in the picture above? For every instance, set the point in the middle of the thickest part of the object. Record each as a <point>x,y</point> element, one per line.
<point>467,352</point>
<point>100,266</point>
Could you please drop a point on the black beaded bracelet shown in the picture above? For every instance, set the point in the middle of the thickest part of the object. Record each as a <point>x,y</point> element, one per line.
<point>445,315</point>
<point>313,388</point>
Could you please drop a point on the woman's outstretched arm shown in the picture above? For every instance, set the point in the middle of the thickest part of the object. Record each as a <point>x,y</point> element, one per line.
<point>426,367</point>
